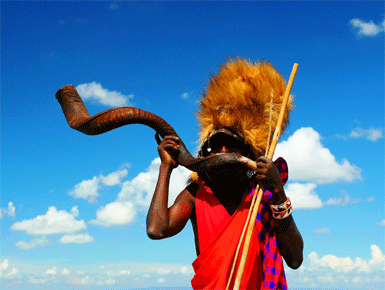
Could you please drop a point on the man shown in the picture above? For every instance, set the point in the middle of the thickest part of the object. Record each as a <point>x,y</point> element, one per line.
<point>233,118</point>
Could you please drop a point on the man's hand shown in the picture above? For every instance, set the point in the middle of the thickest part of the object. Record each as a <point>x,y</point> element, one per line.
<point>268,176</point>
<point>167,149</point>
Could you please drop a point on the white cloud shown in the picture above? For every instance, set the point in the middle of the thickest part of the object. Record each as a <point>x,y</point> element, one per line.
<point>75,211</point>
<point>53,222</point>
<point>184,270</point>
<point>303,195</point>
<point>347,265</point>
<point>65,271</point>
<point>76,239</point>
<point>93,274</point>
<point>164,271</point>
<point>115,213</point>
<point>309,160</point>
<point>87,189</point>
<point>342,201</point>
<point>378,258</point>
<point>12,273</point>
<point>114,178</point>
<point>124,273</point>
<point>110,281</point>
<point>366,28</point>
<point>322,231</point>
<point>51,271</point>
<point>371,134</point>
<point>39,242</point>
<point>140,189</point>
<point>95,91</point>
<point>161,280</point>
<point>185,95</point>
<point>9,211</point>
<point>4,265</point>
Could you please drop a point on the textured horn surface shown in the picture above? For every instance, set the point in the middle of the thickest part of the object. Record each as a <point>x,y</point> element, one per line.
<point>79,119</point>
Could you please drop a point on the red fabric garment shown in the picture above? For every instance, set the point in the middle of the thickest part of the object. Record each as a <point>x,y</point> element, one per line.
<point>219,234</point>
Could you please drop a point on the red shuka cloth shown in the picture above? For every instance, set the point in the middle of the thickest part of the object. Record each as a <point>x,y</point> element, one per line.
<point>219,234</point>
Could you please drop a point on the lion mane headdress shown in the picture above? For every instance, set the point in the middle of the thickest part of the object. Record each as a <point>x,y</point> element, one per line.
<point>245,97</point>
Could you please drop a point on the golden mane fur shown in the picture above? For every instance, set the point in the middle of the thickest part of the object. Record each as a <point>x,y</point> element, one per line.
<point>238,97</point>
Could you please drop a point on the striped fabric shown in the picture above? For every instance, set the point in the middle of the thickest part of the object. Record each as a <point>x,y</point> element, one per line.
<point>273,271</point>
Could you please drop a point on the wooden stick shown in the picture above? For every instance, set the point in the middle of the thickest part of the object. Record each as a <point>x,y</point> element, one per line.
<point>241,238</point>
<point>255,207</point>
<point>277,132</point>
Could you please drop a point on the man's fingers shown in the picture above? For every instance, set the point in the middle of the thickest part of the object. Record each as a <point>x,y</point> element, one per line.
<point>170,144</point>
<point>173,138</point>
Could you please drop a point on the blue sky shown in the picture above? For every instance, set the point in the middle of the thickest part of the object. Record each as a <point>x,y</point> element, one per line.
<point>73,207</point>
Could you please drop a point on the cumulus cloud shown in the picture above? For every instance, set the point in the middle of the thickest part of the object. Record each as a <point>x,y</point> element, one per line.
<point>89,189</point>
<point>371,134</point>
<point>185,95</point>
<point>140,189</point>
<point>53,222</point>
<point>51,271</point>
<point>76,239</point>
<point>39,242</point>
<point>4,265</point>
<point>184,270</point>
<point>303,195</point>
<point>367,28</point>
<point>310,161</point>
<point>115,213</point>
<point>9,211</point>
<point>75,211</point>
<point>114,178</point>
<point>346,264</point>
<point>94,91</point>
<point>124,273</point>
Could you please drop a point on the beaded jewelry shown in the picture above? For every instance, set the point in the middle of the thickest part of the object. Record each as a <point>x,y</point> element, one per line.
<point>282,210</point>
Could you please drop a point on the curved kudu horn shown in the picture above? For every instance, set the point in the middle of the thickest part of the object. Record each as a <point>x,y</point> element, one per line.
<point>79,119</point>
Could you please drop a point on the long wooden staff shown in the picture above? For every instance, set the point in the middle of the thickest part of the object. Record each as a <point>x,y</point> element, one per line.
<point>253,211</point>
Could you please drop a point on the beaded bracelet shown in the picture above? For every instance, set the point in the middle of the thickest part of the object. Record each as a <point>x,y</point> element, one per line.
<point>282,210</point>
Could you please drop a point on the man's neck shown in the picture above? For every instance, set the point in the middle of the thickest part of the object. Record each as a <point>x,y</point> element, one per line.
<point>230,194</point>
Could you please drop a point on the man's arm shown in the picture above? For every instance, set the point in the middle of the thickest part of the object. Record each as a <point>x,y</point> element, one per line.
<point>163,222</point>
<point>289,239</point>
